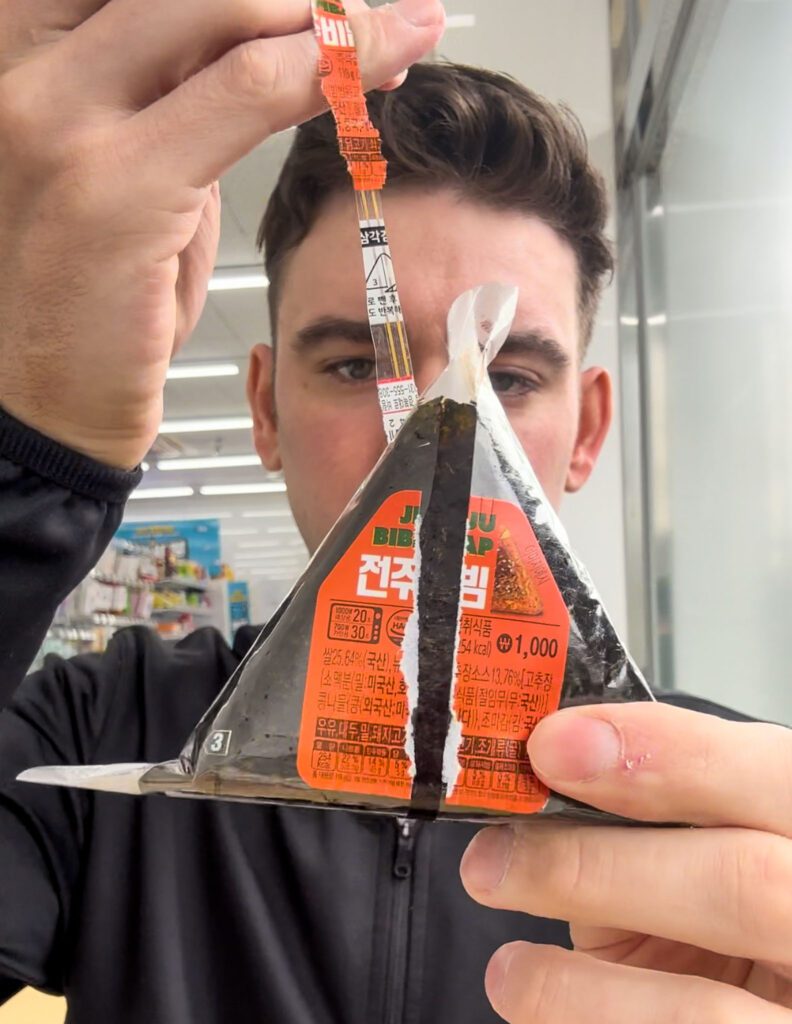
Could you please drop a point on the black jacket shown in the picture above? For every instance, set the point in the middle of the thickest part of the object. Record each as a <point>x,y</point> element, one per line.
<point>170,911</point>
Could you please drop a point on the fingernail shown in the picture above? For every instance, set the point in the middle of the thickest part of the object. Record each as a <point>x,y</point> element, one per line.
<point>569,747</point>
<point>496,975</point>
<point>487,858</point>
<point>421,13</point>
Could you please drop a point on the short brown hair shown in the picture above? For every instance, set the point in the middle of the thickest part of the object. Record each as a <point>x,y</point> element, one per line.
<point>452,126</point>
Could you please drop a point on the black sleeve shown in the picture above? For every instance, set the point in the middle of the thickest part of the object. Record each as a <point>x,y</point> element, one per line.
<point>55,717</point>
<point>58,512</point>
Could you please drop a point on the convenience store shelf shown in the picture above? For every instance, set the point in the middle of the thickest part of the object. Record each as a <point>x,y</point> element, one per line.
<point>100,619</point>
<point>113,581</point>
<point>174,613</point>
<point>180,583</point>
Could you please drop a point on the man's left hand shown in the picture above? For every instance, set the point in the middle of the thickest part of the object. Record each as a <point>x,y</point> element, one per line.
<point>668,924</point>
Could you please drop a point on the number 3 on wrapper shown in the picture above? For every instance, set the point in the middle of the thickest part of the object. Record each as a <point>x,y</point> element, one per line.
<point>218,742</point>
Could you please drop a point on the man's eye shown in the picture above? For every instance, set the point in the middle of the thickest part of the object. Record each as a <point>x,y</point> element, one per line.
<point>512,385</point>
<point>355,370</point>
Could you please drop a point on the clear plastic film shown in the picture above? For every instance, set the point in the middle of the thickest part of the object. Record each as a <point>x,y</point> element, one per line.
<point>443,616</point>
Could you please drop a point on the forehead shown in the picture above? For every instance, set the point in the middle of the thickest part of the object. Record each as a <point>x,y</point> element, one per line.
<point>442,245</point>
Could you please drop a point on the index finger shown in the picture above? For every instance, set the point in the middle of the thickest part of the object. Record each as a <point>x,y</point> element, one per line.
<point>658,763</point>
<point>209,122</point>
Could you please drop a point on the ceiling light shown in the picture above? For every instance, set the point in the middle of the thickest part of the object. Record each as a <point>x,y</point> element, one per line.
<point>240,533</point>
<point>194,371</point>
<point>270,557</point>
<point>293,570</point>
<point>283,529</point>
<point>269,567</point>
<point>267,488</point>
<point>629,321</point>
<point>460,21</point>
<point>271,575</point>
<point>657,321</point>
<point>276,576</point>
<point>227,279</point>
<point>213,462</point>
<point>284,543</point>
<point>162,492</point>
<point>181,516</point>
<point>267,514</point>
<point>657,211</point>
<point>207,424</point>
<point>145,467</point>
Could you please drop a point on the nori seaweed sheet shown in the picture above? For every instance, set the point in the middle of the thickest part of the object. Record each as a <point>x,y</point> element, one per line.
<point>442,535</point>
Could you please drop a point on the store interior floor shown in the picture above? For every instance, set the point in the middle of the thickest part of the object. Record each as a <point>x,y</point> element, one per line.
<point>31,1007</point>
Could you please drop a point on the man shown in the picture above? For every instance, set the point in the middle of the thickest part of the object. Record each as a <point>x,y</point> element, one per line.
<point>192,911</point>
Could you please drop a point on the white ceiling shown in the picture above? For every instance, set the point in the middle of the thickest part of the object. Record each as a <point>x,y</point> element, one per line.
<point>558,48</point>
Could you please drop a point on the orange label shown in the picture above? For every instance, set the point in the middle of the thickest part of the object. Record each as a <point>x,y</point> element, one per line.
<point>358,139</point>
<point>513,638</point>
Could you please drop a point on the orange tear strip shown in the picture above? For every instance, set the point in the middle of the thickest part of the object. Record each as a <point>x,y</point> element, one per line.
<point>361,146</point>
<point>359,141</point>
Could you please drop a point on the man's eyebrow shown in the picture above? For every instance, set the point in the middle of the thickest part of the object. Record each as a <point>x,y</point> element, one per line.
<point>326,328</point>
<point>534,343</point>
<point>525,343</point>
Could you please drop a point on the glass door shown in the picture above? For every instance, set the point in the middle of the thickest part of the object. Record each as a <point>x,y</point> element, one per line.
<point>708,181</point>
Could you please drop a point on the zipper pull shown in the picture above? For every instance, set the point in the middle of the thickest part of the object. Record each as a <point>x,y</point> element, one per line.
<point>405,843</point>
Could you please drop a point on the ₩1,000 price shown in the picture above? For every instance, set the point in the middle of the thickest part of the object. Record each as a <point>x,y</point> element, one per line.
<point>527,647</point>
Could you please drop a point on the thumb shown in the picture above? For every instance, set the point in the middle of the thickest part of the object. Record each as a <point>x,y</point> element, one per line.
<point>211,121</point>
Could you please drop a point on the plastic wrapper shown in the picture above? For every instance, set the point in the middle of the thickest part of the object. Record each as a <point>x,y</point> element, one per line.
<point>442,617</point>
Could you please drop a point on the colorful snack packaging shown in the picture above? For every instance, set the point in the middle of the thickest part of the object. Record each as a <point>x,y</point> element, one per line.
<point>440,619</point>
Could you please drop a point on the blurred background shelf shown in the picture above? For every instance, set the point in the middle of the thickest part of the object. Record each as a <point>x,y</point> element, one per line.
<point>180,583</point>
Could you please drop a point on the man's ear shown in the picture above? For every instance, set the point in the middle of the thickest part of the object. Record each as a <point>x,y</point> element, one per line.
<point>596,412</point>
<point>261,398</point>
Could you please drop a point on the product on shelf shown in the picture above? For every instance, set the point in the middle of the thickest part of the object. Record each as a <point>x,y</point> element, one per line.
<point>129,586</point>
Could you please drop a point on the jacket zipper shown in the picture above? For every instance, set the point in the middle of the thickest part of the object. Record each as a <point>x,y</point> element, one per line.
<point>402,869</point>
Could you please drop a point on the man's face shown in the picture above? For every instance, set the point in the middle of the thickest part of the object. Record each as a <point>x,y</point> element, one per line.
<point>325,429</point>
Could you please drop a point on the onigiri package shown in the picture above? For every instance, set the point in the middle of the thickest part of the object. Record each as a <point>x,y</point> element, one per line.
<point>442,617</point>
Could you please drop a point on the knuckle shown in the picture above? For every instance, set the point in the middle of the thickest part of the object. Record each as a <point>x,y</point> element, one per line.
<point>572,866</point>
<point>385,44</point>
<point>540,984</point>
<point>720,1005</point>
<point>373,35</point>
<point>19,115</point>
<point>756,871</point>
<point>777,737</point>
<point>36,138</point>
<point>254,69</point>
<point>699,1002</point>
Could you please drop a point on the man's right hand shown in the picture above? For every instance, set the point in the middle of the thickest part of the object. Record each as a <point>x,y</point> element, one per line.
<point>117,117</point>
